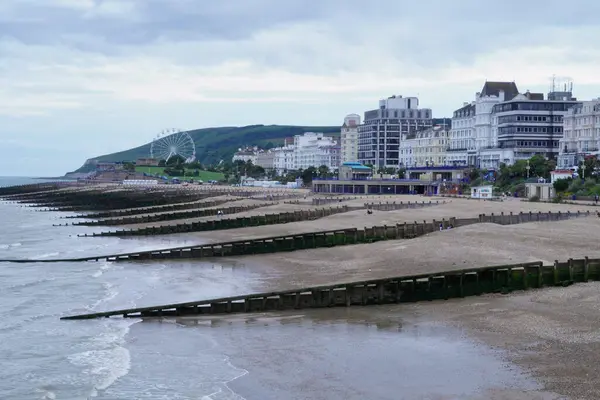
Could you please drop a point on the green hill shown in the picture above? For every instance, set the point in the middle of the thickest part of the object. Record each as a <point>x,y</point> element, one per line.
<point>215,144</point>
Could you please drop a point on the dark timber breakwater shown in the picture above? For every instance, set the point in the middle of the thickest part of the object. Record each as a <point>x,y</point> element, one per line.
<point>247,221</point>
<point>169,216</point>
<point>312,240</point>
<point>150,210</point>
<point>401,289</point>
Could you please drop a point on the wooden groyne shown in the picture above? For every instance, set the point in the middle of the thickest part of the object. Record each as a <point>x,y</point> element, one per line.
<point>228,223</point>
<point>399,289</point>
<point>391,206</point>
<point>154,209</point>
<point>103,199</point>
<point>313,240</point>
<point>10,191</point>
<point>317,201</point>
<point>241,222</point>
<point>170,216</point>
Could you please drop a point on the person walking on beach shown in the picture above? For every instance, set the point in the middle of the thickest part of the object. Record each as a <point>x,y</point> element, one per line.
<point>596,199</point>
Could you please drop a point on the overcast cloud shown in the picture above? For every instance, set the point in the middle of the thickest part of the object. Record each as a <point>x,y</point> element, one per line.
<point>80,78</point>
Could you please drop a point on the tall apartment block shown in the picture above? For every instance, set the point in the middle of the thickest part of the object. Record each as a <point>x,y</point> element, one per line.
<point>381,132</point>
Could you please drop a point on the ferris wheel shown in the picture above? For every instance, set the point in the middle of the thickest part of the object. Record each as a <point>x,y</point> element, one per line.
<point>172,142</point>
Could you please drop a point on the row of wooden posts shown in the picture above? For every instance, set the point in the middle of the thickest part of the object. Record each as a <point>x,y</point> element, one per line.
<point>399,289</point>
<point>228,223</point>
<point>246,221</point>
<point>319,239</point>
<point>169,216</point>
<point>149,210</point>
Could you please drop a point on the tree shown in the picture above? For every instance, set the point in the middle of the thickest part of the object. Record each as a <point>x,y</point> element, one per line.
<point>539,166</point>
<point>561,185</point>
<point>128,166</point>
<point>323,171</point>
<point>308,174</point>
<point>162,163</point>
<point>592,165</point>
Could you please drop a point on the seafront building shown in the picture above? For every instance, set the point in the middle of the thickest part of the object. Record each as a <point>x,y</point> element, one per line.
<point>310,149</point>
<point>265,159</point>
<point>503,126</point>
<point>314,150</point>
<point>283,160</point>
<point>472,129</point>
<point>426,148</point>
<point>380,134</point>
<point>530,124</point>
<point>581,134</point>
<point>246,154</point>
<point>349,138</point>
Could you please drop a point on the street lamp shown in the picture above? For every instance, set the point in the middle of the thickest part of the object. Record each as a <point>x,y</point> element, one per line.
<point>583,171</point>
<point>528,167</point>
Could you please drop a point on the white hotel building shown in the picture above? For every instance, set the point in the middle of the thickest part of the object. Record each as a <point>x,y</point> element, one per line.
<point>308,150</point>
<point>581,134</point>
<point>472,133</point>
<point>503,126</point>
<point>314,150</point>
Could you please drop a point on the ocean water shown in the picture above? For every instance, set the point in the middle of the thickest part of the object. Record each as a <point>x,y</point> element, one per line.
<point>370,353</point>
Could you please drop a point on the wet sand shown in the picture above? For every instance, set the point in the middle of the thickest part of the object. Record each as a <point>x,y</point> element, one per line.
<point>467,247</point>
<point>363,353</point>
<point>554,333</point>
<point>541,344</point>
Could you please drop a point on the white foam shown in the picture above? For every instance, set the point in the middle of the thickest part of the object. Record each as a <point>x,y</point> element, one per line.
<point>46,255</point>
<point>103,268</point>
<point>105,366</point>
<point>46,394</point>
<point>9,245</point>
<point>109,360</point>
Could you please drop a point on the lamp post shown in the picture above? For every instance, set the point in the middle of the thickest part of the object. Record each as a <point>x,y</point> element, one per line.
<point>583,171</point>
<point>528,167</point>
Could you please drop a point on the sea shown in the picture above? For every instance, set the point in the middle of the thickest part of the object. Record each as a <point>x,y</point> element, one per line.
<point>356,353</point>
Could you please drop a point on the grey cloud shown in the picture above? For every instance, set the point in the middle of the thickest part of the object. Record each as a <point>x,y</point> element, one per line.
<point>420,32</point>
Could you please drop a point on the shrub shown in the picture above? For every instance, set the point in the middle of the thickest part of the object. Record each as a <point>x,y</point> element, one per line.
<point>561,185</point>
<point>535,198</point>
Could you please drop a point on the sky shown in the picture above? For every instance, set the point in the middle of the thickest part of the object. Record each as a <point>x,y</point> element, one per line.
<point>81,78</point>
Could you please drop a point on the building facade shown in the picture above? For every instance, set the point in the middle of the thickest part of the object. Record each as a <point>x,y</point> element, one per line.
<point>462,137</point>
<point>314,150</point>
<point>380,134</point>
<point>349,138</point>
<point>581,134</point>
<point>529,125</point>
<point>472,125</point>
<point>283,159</point>
<point>245,155</point>
<point>425,148</point>
<point>265,159</point>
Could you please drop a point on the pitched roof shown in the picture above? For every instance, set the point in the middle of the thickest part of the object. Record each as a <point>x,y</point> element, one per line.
<point>494,88</point>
